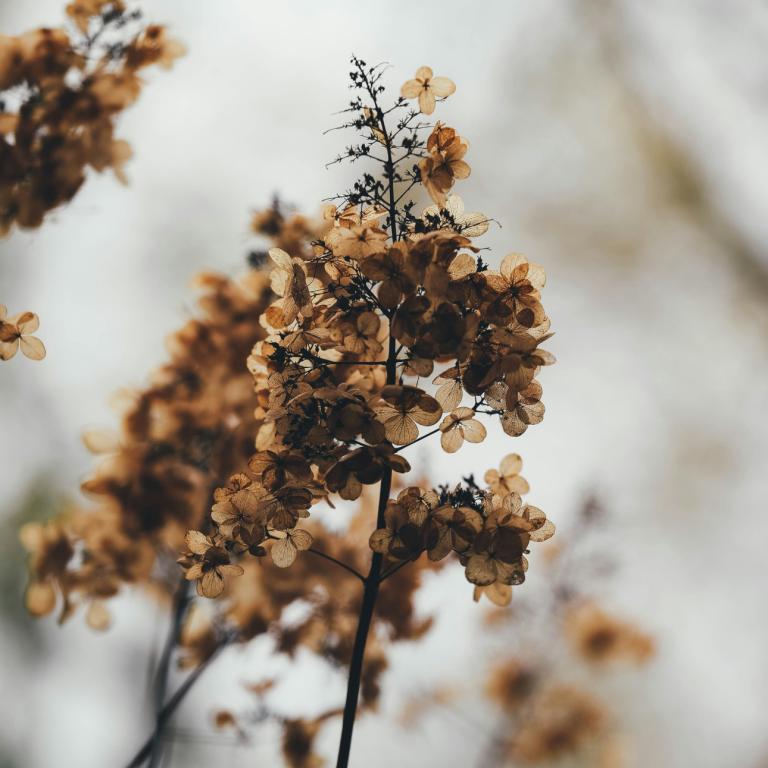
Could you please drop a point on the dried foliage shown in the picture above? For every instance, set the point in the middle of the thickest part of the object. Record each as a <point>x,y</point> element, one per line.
<point>61,90</point>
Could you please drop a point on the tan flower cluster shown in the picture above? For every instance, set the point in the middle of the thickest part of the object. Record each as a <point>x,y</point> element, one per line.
<point>490,531</point>
<point>354,317</point>
<point>60,93</point>
<point>16,334</point>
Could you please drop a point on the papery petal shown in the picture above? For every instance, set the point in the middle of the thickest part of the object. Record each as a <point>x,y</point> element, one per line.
<point>283,552</point>
<point>426,102</point>
<point>32,347</point>
<point>211,585</point>
<point>442,86</point>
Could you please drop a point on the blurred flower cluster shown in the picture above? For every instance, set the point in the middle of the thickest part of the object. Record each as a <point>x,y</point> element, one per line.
<point>61,90</point>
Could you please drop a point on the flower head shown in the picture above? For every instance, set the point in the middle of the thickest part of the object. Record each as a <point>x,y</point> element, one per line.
<point>16,333</point>
<point>427,89</point>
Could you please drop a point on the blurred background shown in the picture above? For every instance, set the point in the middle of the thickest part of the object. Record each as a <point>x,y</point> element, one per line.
<point>623,146</point>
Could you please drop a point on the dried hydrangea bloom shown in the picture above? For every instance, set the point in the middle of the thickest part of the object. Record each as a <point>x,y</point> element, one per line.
<point>598,637</point>
<point>16,334</point>
<point>61,91</point>
<point>427,89</point>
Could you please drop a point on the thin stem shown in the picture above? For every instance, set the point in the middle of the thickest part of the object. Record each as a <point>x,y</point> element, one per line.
<point>173,703</point>
<point>337,562</point>
<point>370,593</point>
<point>180,602</point>
<point>392,571</point>
<point>418,439</point>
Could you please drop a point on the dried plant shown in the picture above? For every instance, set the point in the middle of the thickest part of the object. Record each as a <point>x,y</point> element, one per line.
<point>61,90</point>
<point>357,310</point>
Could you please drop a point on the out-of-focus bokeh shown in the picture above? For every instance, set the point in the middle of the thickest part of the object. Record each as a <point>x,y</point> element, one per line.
<point>623,146</point>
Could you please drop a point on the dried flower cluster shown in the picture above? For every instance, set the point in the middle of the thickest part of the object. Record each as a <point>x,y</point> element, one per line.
<point>375,302</point>
<point>16,334</point>
<point>61,90</point>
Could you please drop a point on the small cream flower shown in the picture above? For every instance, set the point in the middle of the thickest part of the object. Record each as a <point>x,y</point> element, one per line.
<point>426,88</point>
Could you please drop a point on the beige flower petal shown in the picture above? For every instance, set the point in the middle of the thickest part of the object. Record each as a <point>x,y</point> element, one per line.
<point>442,86</point>
<point>411,89</point>
<point>27,322</point>
<point>32,347</point>
<point>211,585</point>
<point>426,102</point>
<point>283,552</point>
<point>452,440</point>
<point>197,542</point>
<point>474,431</point>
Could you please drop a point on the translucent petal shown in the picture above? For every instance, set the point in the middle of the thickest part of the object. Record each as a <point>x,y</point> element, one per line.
<point>283,552</point>
<point>442,86</point>
<point>32,347</point>
<point>211,585</point>
<point>474,431</point>
<point>301,539</point>
<point>197,542</point>
<point>426,102</point>
<point>511,464</point>
<point>452,439</point>
<point>411,89</point>
<point>27,322</point>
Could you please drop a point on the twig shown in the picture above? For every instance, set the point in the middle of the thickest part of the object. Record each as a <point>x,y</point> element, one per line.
<point>337,562</point>
<point>173,703</point>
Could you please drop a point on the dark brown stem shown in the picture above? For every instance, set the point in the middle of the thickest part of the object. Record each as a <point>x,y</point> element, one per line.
<point>370,593</point>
